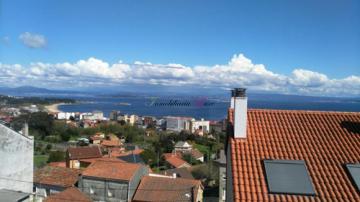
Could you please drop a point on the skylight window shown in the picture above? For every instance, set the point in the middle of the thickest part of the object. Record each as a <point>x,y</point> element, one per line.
<point>354,172</point>
<point>288,177</point>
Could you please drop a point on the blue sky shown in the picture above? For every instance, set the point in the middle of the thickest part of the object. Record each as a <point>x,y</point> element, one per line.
<point>319,36</point>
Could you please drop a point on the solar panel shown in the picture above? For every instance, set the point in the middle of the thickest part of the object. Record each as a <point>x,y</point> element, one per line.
<point>354,171</point>
<point>288,177</point>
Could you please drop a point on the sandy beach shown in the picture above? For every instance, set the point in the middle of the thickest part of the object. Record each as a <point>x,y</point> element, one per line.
<point>54,108</point>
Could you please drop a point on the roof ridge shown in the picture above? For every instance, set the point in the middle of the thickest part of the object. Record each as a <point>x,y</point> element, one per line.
<point>301,111</point>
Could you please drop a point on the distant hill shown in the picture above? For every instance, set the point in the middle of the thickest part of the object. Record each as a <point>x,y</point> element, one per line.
<point>32,91</point>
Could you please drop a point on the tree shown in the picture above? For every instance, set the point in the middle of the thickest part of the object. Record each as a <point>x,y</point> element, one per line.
<point>149,157</point>
<point>56,156</point>
<point>65,136</point>
<point>48,147</point>
<point>188,158</point>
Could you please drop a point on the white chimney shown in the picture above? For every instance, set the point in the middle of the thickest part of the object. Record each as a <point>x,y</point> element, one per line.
<point>240,112</point>
<point>25,129</point>
<point>232,101</point>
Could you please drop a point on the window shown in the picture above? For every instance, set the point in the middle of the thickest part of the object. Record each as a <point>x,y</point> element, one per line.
<point>354,172</point>
<point>110,194</point>
<point>92,190</point>
<point>288,177</point>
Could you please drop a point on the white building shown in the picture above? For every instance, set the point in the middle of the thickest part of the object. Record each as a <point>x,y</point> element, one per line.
<point>199,127</point>
<point>183,147</point>
<point>176,123</point>
<point>65,115</point>
<point>16,151</point>
<point>95,115</point>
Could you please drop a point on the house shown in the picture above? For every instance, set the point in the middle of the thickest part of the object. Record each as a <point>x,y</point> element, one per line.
<point>95,115</point>
<point>175,160</point>
<point>97,138</point>
<point>164,188</point>
<point>109,144</point>
<point>74,155</point>
<point>199,127</point>
<point>177,124</point>
<point>131,119</point>
<point>112,142</point>
<point>69,194</point>
<point>179,172</point>
<point>183,147</point>
<point>54,179</point>
<point>292,155</point>
<point>114,115</point>
<point>65,115</point>
<point>148,120</point>
<point>107,180</point>
<point>196,154</point>
<point>17,152</point>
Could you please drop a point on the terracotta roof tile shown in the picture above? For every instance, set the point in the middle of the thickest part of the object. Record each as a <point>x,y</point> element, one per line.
<point>324,140</point>
<point>57,176</point>
<point>111,143</point>
<point>58,164</point>
<point>111,169</point>
<point>196,153</point>
<point>175,160</point>
<point>166,189</point>
<point>69,194</point>
<point>84,152</point>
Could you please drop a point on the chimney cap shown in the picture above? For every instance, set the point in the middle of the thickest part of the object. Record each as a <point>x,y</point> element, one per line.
<point>239,92</point>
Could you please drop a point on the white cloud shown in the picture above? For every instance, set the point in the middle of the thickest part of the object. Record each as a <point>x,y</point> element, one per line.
<point>240,71</point>
<point>33,40</point>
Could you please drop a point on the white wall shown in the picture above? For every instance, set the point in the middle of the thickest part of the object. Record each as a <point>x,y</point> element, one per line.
<point>196,125</point>
<point>16,163</point>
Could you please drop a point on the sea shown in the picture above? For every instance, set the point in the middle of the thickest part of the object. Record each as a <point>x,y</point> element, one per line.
<point>206,107</point>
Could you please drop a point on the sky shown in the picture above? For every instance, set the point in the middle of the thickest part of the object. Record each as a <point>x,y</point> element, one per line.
<point>300,47</point>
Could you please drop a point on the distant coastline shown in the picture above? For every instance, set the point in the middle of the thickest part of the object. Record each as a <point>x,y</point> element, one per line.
<point>54,108</point>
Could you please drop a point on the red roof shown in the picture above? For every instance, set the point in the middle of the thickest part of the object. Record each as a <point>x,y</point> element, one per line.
<point>58,164</point>
<point>196,153</point>
<point>111,143</point>
<point>69,194</point>
<point>112,169</point>
<point>175,160</point>
<point>56,176</point>
<point>324,140</point>
<point>84,152</point>
<point>105,158</point>
<point>166,189</point>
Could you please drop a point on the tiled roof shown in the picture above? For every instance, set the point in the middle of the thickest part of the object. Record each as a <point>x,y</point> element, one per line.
<point>166,189</point>
<point>175,160</point>
<point>58,164</point>
<point>113,169</point>
<point>196,153</point>
<point>84,152</point>
<point>180,172</point>
<point>324,140</point>
<point>105,158</point>
<point>111,143</point>
<point>69,194</point>
<point>56,176</point>
<point>96,137</point>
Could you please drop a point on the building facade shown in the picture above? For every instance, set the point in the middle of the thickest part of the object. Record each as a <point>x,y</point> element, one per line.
<point>177,124</point>
<point>112,180</point>
<point>16,151</point>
